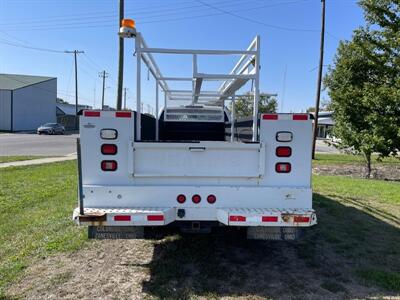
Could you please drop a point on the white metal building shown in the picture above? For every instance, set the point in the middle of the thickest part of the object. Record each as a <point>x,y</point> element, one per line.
<point>26,102</point>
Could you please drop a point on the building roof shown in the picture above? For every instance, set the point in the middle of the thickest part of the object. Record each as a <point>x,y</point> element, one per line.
<point>13,81</point>
<point>69,109</point>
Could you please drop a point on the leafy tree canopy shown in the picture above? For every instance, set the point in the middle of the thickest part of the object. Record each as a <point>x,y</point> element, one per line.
<point>364,83</point>
<point>244,105</point>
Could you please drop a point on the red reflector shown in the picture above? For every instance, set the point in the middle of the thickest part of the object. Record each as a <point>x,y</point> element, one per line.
<point>270,219</point>
<point>300,117</point>
<point>270,117</point>
<point>155,218</point>
<point>89,113</point>
<point>211,199</point>
<point>181,198</point>
<point>122,218</point>
<point>123,114</point>
<point>109,149</point>
<point>109,165</point>
<point>196,199</point>
<point>301,219</point>
<point>283,167</point>
<point>237,219</point>
<point>283,151</point>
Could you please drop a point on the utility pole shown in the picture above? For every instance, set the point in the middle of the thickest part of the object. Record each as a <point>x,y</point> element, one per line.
<point>75,52</point>
<point>120,58</point>
<point>125,89</point>
<point>103,75</point>
<point>319,82</point>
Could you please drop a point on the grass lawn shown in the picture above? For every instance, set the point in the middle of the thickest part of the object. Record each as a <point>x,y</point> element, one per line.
<point>357,239</point>
<point>36,205</point>
<point>340,159</point>
<point>4,159</point>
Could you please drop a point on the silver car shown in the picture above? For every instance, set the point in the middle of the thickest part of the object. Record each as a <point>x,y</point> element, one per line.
<point>51,128</point>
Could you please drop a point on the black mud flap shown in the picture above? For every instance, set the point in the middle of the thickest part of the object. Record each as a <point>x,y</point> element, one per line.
<point>115,232</point>
<point>274,233</point>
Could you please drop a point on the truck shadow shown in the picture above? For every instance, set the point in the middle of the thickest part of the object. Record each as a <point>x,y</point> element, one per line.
<point>349,254</point>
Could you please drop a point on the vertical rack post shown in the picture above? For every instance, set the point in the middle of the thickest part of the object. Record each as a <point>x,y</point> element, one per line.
<point>157,88</point>
<point>80,187</point>
<point>165,105</point>
<point>256,90</point>
<point>138,43</point>
<point>233,119</point>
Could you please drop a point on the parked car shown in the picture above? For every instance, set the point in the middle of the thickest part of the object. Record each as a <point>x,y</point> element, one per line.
<point>51,128</point>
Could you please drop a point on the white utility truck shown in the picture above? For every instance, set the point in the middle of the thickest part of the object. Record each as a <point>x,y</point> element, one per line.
<point>192,175</point>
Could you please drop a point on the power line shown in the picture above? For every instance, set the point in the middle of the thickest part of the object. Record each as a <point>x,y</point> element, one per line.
<point>98,24</point>
<point>2,41</point>
<point>255,21</point>
<point>102,16</point>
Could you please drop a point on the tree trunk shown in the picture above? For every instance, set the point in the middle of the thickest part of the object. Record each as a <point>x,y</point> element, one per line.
<point>368,164</point>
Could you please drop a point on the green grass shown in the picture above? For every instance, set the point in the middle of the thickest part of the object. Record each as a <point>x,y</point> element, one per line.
<point>36,204</point>
<point>360,220</point>
<point>340,159</point>
<point>4,159</point>
<point>384,192</point>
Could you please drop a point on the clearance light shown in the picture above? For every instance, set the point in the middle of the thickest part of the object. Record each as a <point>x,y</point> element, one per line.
<point>109,165</point>
<point>123,114</point>
<point>181,198</point>
<point>211,199</point>
<point>283,167</point>
<point>89,113</point>
<point>283,151</point>
<point>108,134</point>
<point>196,199</point>
<point>109,149</point>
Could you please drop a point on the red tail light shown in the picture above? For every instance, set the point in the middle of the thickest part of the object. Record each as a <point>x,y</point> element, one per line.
<point>283,151</point>
<point>181,198</point>
<point>196,199</point>
<point>109,149</point>
<point>211,199</point>
<point>283,167</point>
<point>109,165</point>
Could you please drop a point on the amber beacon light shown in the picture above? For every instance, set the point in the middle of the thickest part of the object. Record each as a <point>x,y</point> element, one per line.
<point>127,29</point>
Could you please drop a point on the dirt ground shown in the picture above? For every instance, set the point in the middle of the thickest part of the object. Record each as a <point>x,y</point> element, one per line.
<point>195,267</point>
<point>382,172</point>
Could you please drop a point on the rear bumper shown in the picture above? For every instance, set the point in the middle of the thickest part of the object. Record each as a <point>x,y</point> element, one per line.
<point>228,216</point>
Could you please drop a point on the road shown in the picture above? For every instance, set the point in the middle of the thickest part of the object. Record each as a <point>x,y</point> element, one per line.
<point>33,144</point>
<point>59,145</point>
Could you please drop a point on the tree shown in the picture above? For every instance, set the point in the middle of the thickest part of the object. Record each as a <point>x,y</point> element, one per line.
<point>364,84</point>
<point>244,105</point>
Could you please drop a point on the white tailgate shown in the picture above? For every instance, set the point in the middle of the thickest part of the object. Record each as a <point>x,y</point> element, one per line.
<point>204,159</point>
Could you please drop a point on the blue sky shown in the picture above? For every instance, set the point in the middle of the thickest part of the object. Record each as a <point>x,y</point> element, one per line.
<point>289,40</point>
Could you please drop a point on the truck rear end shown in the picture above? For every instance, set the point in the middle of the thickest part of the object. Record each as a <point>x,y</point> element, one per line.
<point>264,186</point>
<point>190,176</point>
